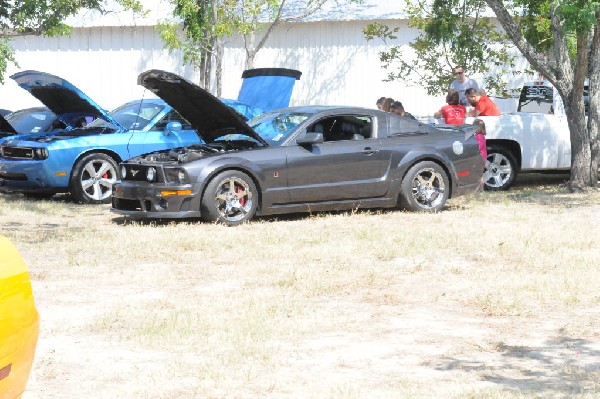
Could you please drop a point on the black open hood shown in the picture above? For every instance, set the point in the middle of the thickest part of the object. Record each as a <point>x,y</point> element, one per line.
<point>6,127</point>
<point>59,95</point>
<point>205,112</point>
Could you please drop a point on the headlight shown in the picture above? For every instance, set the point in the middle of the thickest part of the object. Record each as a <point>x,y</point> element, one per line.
<point>176,175</point>
<point>151,174</point>
<point>123,171</point>
<point>40,153</point>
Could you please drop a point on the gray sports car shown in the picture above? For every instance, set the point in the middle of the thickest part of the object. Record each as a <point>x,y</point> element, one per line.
<point>298,159</point>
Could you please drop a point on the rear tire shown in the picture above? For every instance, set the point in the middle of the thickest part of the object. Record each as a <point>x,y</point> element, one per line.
<point>231,198</point>
<point>425,188</point>
<point>501,169</point>
<point>92,179</point>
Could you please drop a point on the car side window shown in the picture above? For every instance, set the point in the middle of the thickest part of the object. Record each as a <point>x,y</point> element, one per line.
<point>403,125</point>
<point>172,116</point>
<point>344,127</point>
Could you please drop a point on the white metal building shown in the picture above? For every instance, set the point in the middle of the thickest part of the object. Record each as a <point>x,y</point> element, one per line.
<point>104,55</point>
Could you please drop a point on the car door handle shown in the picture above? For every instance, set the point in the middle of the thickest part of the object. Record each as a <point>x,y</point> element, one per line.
<point>369,151</point>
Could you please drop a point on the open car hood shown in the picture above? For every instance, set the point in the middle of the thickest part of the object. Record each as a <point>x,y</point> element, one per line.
<point>6,127</point>
<point>59,95</point>
<point>268,88</point>
<point>205,112</point>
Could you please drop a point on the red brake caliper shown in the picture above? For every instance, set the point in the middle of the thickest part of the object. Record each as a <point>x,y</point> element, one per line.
<point>238,190</point>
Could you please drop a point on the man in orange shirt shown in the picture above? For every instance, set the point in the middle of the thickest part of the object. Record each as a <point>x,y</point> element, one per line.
<point>483,105</point>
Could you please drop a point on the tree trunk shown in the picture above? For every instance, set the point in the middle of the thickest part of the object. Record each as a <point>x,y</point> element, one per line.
<point>250,51</point>
<point>581,155</point>
<point>594,102</point>
<point>569,83</point>
<point>219,50</point>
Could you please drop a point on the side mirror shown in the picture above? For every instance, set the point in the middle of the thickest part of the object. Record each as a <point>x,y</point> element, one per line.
<point>171,127</point>
<point>310,139</point>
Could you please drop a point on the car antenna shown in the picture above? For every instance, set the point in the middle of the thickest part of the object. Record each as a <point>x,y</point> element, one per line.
<point>137,114</point>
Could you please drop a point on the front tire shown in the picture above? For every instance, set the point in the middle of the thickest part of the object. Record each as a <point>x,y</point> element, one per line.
<point>500,170</point>
<point>425,188</point>
<point>231,198</point>
<point>92,179</point>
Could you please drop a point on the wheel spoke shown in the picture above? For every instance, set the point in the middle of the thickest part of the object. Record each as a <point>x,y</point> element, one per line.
<point>106,183</point>
<point>87,183</point>
<point>506,169</point>
<point>105,166</point>
<point>221,196</point>
<point>89,168</point>
<point>497,158</point>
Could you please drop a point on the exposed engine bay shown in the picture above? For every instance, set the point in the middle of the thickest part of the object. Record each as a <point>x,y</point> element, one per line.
<point>196,151</point>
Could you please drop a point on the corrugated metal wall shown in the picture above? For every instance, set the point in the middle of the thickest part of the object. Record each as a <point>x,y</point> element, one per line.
<point>339,66</point>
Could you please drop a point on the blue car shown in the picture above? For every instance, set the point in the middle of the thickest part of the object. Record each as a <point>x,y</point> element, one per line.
<point>84,161</point>
<point>39,120</point>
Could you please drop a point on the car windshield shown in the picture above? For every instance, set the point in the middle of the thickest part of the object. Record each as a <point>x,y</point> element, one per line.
<point>31,121</point>
<point>135,116</point>
<point>276,127</point>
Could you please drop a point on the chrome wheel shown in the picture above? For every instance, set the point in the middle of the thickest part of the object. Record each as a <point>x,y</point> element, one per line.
<point>428,189</point>
<point>500,170</point>
<point>92,179</point>
<point>425,188</point>
<point>97,179</point>
<point>231,198</point>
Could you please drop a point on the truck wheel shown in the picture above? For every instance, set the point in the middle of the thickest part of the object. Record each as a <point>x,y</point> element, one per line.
<point>425,188</point>
<point>500,170</point>
<point>92,179</point>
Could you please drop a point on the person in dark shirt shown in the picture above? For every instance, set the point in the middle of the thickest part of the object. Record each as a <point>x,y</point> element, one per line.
<point>398,109</point>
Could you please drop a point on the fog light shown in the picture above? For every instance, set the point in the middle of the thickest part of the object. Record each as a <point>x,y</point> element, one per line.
<point>151,174</point>
<point>123,171</point>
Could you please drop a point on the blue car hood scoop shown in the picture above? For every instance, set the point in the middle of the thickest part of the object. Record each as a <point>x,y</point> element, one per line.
<point>59,95</point>
<point>205,112</point>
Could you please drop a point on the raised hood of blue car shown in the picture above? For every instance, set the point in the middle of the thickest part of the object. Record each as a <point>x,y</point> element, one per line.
<point>268,88</point>
<point>59,95</point>
<point>205,112</point>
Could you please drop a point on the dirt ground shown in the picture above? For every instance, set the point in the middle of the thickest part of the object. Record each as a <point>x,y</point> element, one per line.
<point>378,327</point>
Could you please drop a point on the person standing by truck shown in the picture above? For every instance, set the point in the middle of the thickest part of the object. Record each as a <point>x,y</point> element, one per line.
<point>453,113</point>
<point>461,83</point>
<point>482,104</point>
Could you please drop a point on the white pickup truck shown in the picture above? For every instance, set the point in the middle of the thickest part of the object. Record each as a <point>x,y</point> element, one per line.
<point>534,139</point>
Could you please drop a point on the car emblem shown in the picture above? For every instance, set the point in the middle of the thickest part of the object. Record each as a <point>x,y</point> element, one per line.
<point>457,147</point>
<point>134,172</point>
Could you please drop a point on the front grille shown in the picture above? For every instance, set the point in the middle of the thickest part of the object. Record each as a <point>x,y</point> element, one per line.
<point>17,152</point>
<point>127,204</point>
<point>135,172</point>
<point>13,176</point>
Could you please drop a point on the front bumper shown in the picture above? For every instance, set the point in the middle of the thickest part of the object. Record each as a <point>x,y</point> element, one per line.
<point>142,200</point>
<point>32,176</point>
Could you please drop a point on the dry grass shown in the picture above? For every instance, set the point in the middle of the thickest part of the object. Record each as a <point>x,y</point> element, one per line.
<point>496,297</point>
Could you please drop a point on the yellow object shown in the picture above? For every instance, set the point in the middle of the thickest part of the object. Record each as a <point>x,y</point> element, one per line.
<point>168,193</point>
<point>19,322</point>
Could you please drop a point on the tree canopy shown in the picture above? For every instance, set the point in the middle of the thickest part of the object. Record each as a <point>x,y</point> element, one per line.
<point>452,32</point>
<point>203,25</point>
<point>43,17</point>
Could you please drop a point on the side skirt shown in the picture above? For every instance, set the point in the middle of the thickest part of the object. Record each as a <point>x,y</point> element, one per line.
<point>329,206</point>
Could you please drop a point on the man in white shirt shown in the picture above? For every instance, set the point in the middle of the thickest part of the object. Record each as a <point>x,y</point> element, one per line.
<point>462,83</point>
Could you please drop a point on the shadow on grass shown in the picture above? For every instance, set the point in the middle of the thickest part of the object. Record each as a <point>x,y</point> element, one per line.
<point>562,367</point>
